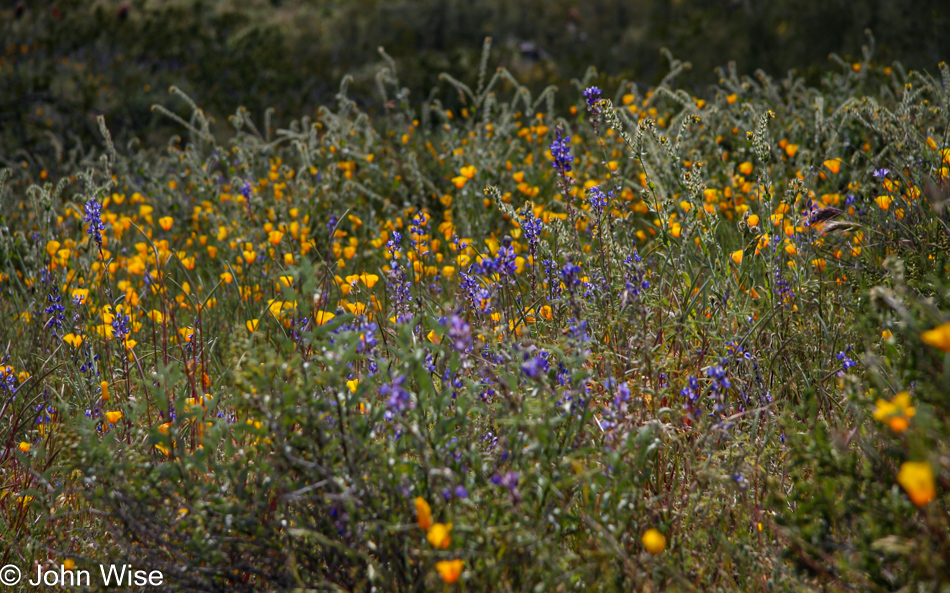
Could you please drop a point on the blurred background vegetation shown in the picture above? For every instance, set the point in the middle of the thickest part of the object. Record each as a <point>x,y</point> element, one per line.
<point>67,61</point>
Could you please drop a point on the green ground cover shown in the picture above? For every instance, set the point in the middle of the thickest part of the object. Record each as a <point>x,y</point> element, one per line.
<point>604,339</point>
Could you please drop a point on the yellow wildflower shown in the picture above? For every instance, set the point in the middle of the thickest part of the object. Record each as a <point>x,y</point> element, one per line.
<point>895,413</point>
<point>450,570</point>
<point>439,535</point>
<point>917,478</point>
<point>323,317</point>
<point>654,541</point>
<point>423,513</point>
<point>938,337</point>
<point>73,340</point>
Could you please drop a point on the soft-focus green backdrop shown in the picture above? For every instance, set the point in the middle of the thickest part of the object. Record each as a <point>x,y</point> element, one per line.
<point>64,62</point>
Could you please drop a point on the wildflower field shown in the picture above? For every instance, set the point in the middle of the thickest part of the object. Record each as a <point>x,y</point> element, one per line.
<point>647,341</point>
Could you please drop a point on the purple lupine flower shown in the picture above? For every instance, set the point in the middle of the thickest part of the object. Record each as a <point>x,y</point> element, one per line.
<point>392,245</point>
<point>591,96</point>
<point>460,334</point>
<point>578,330</point>
<point>120,327</point>
<point>719,386</point>
<point>782,288</point>
<point>246,190</point>
<point>846,362</point>
<point>7,379</point>
<point>93,216</point>
<point>399,399</point>
<point>635,275</point>
<point>571,274</point>
<point>532,227</point>
<point>509,480</point>
<point>598,200</point>
<point>535,366</point>
<point>561,151</point>
<point>691,391</point>
<point>55,310</point>
<point>503,264</point>
<point>415,229</point>
<point>397,281</point>
<point>623,395</point>
<point>482,300</point>
<point>367,336</point>
<point>720,378</point>
<point>531,367</point>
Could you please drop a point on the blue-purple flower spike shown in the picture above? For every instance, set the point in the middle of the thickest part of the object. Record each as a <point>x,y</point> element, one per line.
<point>93,216</point>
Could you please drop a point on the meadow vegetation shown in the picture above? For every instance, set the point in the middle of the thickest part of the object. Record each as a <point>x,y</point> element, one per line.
<point>589,338</point>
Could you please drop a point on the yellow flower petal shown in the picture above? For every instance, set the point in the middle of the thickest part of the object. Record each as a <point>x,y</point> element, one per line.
<point>323,317</point>
<point>369,279</point>
<point>439,535</point>
<point>917,479</point>
<point>450,570</point>
<point>423,513</point>
<point>833,165</point>
<point>653,541</point>
<point>938,337</point>
<point>73,340</point>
